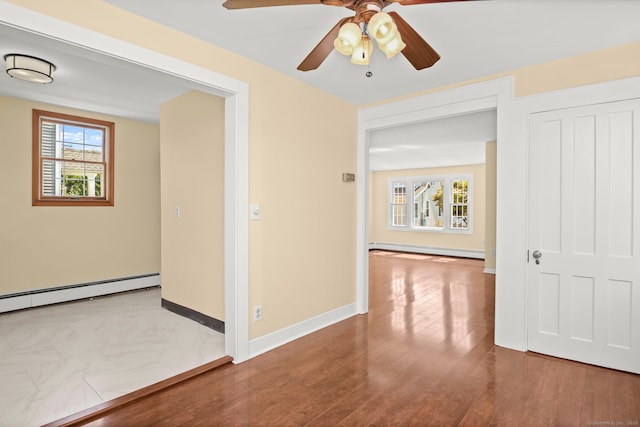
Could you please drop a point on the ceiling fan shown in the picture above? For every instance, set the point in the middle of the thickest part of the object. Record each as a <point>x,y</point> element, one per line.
<point>353,36</point>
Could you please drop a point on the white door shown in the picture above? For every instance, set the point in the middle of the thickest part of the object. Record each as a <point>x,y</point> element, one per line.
<point>584,230</point>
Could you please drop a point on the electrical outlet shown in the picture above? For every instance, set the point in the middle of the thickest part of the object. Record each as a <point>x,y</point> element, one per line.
<point>257,313</point>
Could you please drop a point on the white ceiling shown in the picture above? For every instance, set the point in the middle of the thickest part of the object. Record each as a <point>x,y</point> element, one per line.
<point>87,80</point>
<point>474,38</point>
<point>450,141</point>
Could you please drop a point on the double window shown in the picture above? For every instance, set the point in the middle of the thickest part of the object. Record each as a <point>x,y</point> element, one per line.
<point>72,160</point>
<point>441,203</point>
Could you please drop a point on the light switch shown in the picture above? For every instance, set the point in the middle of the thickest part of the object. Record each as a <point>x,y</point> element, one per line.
<point>255,211</point>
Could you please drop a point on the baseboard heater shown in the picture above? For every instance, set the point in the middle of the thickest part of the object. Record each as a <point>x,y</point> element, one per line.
<point>40,297</point>
<point>428,250</point>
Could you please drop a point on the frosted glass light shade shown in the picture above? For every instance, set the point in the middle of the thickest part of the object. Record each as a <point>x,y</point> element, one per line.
<point>393,47</point>
<point>362,53</point>
<point>29,68</point>
<point>382,28</point>
<point>348,38</point>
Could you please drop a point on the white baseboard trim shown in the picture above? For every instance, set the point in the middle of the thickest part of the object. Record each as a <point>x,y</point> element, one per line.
<point>59,294</point>
<point>428,250</point>
<point>283,336</point>
<point>490,270</point>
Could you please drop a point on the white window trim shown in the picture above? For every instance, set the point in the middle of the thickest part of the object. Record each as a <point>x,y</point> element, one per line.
<point>447,197</point>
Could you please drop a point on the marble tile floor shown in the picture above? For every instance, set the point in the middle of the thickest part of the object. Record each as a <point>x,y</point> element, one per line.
<point>60,359</point>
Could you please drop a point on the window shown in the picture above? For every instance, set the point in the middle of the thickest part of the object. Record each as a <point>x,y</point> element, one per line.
<point>459,204</point>
<point>433,204</point>
<point>72,160</point>
<point>427,200</point>
<point>399,205</point>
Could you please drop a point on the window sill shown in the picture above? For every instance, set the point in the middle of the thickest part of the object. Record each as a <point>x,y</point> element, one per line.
<point>71,202</point>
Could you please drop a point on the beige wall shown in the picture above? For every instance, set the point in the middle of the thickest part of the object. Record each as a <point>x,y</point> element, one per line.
<point>379,215</point>
<point>600,66</point>
<point>43,246</point>
<point>594,67</point>
<point>490,205</point>
<point>192,165</point>
<point>302,253</point>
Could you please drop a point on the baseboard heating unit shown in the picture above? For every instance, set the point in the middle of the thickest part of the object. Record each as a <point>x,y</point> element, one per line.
<point>54,295</point>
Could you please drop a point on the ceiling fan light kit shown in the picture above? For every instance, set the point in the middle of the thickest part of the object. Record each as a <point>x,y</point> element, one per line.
<point>352,36</point>
<point>355,40</point>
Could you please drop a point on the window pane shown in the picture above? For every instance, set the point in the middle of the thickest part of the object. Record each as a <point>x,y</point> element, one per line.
<point>97,183</point>
<point>72,179</point>
<point>399,215</point>
<point>72,168</point>
<point>398,205</point>
<point>73,152</point>
<point>459,207</point>
<point>94,136</point>
<point>93,154</point>
<point>427,204</point>
<point>399,193</point>
<point>74,186</point>
<point>71,133</point>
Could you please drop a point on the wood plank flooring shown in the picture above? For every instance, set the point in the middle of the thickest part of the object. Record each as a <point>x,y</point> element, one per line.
<point>422,356</point>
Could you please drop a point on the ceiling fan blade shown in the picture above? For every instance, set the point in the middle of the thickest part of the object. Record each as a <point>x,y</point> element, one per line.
<point>417,51</point>
<point>322,49</point>
<point>412,2</point>
<point>248,4</point>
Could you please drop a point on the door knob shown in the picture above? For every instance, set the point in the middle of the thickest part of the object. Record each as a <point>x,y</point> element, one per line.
<point>537,255</point>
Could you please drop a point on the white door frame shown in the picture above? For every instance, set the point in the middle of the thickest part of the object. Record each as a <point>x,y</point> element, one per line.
<point>236,174</point>
<point>512,177</point>
<point>496,94</point>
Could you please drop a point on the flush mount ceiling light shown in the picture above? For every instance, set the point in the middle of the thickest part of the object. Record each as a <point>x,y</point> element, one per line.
<point>29,68</point>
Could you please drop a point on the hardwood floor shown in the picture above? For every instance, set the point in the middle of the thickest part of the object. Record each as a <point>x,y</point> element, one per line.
<point>423,356</point>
